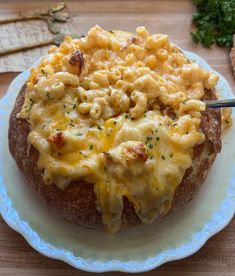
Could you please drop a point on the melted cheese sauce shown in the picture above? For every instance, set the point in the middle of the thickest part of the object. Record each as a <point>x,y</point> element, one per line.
<point>120,111</point>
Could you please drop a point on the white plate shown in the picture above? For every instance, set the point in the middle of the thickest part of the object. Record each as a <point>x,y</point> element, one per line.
<point>133,250</point>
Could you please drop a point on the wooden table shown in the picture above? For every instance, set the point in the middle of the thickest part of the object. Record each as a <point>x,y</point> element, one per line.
<point>173,17</point>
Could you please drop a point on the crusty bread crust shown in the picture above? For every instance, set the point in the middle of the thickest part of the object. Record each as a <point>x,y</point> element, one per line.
<point>77,202</point>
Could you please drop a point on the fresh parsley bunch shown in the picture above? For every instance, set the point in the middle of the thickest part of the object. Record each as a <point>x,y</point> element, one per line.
<point>215,22</point>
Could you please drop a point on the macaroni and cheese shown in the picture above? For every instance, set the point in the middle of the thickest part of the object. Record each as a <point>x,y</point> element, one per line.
<point>121,111</point>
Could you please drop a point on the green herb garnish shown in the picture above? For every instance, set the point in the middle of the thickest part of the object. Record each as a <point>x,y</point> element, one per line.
<point>215,22</point>
<point>150,146</point>
<point>45,73</point>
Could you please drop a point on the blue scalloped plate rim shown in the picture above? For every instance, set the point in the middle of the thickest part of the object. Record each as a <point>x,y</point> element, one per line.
<point>217,222</point>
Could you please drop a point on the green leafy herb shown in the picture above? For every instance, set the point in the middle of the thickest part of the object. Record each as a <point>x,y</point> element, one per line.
<point>44,72</point>
<point>150,146</point>
<point>91,147</point>
<point>43,126</point>
<point>163,157</point>
<point>28,108</point>
<point>215,22</point>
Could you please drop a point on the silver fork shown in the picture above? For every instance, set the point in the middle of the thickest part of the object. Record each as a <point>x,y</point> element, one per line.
<point>220,103</point>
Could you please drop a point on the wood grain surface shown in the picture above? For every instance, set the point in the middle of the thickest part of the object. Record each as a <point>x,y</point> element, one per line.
<point>217,256</point>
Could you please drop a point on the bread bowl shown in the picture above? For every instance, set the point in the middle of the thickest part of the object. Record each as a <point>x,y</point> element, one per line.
<point>80,198</point>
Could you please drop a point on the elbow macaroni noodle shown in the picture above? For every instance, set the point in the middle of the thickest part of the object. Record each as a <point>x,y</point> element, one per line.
<point>120,111</point>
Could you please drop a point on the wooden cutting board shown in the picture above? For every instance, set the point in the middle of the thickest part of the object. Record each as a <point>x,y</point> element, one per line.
<point>217,257</point>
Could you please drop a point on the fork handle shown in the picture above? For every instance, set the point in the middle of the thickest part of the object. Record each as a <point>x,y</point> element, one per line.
<point>26,47</point>
<point>220,103</point>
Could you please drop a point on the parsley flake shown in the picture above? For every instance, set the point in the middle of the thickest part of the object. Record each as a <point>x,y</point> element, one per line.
<point>44,72</point>
<point>150,146</point>
<point>215,22</point>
